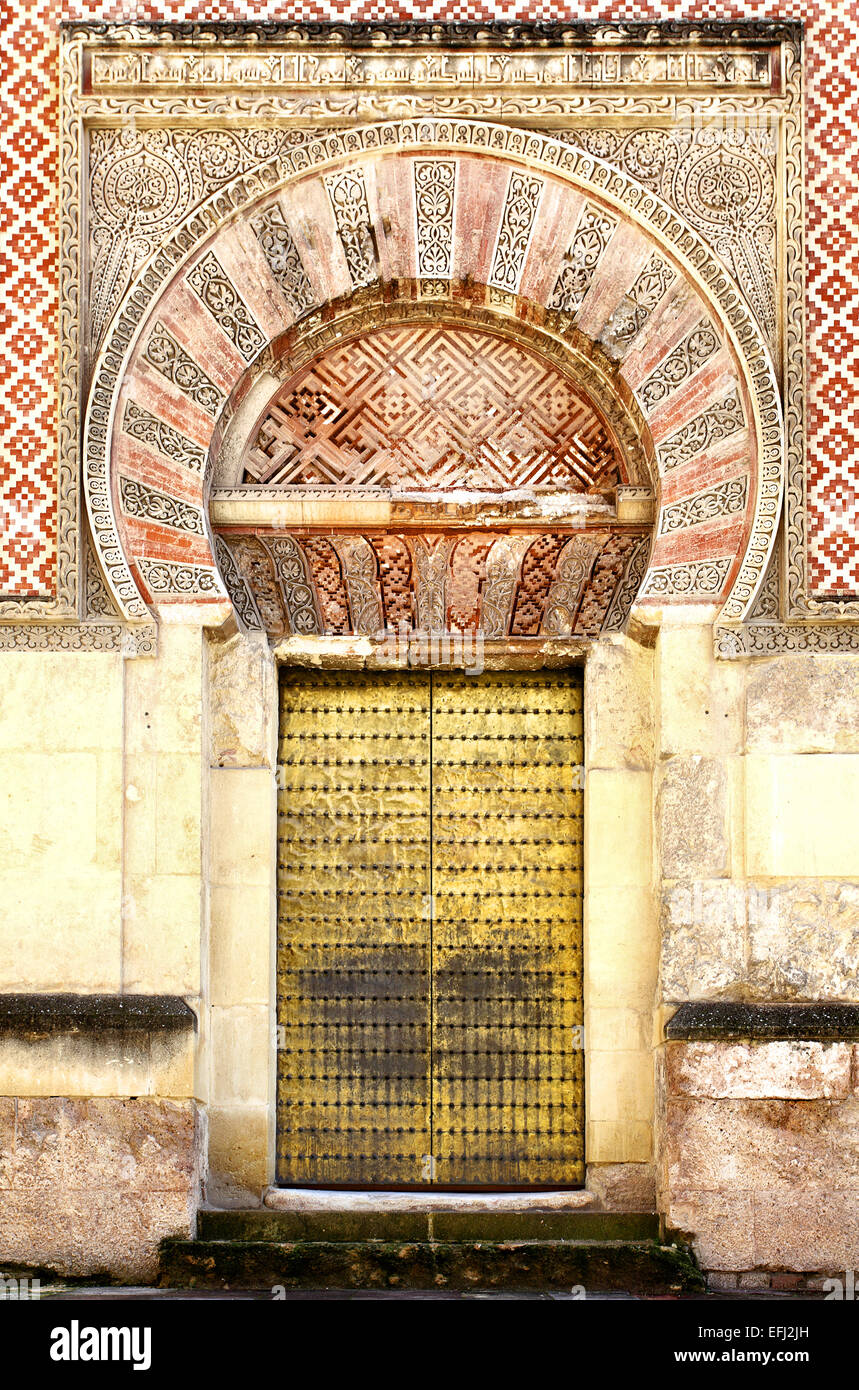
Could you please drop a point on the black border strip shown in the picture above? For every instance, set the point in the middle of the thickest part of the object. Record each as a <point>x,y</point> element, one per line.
<point>42,1014</point>
<point>506,33</point>
<point>707,1020</point>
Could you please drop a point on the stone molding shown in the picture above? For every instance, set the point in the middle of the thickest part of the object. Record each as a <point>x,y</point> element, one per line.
<point>704,1020</point>
<point>38,1014</point>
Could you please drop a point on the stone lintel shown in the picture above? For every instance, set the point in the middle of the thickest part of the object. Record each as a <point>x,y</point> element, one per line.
<point>41,1014</point>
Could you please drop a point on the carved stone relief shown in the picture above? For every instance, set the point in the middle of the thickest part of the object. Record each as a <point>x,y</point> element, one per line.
<point>524,585</point>
<point>143,183</point>
<point>171,169</point>
<point>722,178</point>
<point>283,257</point>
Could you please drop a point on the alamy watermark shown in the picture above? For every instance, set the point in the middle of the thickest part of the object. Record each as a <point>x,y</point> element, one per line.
<point>19,1288</point>
<point>723,902</point>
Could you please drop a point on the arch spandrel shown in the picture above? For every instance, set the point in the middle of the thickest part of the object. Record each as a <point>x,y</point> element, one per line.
<point>555,241</point>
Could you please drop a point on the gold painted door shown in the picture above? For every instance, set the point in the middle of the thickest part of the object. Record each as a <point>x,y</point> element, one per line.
<point>429,929</point>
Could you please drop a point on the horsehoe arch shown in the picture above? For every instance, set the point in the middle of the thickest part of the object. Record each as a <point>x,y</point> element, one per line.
<point>703,341</point>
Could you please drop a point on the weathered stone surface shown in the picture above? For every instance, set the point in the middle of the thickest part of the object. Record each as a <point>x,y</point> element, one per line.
<point>351,1222</point>
<point>241,694</point>
<point>239,1138</point>
<point>700,699</point>
<point>116,1175</point>
<point>719,1224</point>
<point>784,1070</point>
<point>703,945</point>
<point>805,1230</point>
<point>623,1186</point>
<point>454,1264</point>
<point>90,1234</point>
<point>751,1145</point>
<point>619,705</point>
<point>692,818</point>
<point>803,704</point>
<point>720,1020</point>
<point>805,945</point>
<point>138,1145</point>
<point>769,1230</point>
<point>110,1063</point>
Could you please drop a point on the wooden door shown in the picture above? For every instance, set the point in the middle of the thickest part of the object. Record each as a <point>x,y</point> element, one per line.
<point>429,929</point>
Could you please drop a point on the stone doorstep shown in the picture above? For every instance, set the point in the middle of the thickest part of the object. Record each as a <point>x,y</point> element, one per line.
<point>595,1266</point>
<point>372,1227</point>
<point>311,1200</point>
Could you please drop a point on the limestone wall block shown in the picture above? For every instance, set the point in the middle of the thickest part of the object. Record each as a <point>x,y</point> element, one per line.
<point>721,1225</point>
<point>785,1070</point>
<point>242,1047</point>
<point>619,1086</point>
<point>807,1230</point>
<point>619,705</point>
<point>243,826</point>
<point>621,949</point>
<point>804,940</point>
<point>178,825</point>
<point>692,817</point>
<point>163,695</point>
<point>618,818</point>
<point>751,1145</point>
<point>240,1139</point>
<point>801,815</point>
<point>703,939</point>
<point>119,1176</point>
<point>699,699</point>
<point>162,934</point>
<point>616,1141</point>
<point>240,944</point>
<point>803,704</point>
<point>61,701</point>
<point>623,1186</point>
<point>243,703</point>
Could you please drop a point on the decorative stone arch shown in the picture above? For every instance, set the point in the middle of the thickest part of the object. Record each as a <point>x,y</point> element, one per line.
<point>547,240</point>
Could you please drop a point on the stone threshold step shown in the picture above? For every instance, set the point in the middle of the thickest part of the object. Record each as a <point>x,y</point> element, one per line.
<point>348,1264</point>
<point>315,1199</point>
<point>261,1224</point>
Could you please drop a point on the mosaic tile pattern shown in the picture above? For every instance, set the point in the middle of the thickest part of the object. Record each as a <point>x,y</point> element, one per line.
<point>29,224</point>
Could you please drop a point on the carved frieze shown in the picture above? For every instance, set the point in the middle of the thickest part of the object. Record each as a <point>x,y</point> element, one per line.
<point>715,423</point>
<point>348,194</point>
<point>579,265</point>
<point>669,66</point>
<point>711,504</point>
<point>166,577</point>
<point>637,305</point>
<point>149,504</point>
<point>697,579</point>
<point>527,586</point>
<point>435,197</point>
<point>141,424</point>
<point>514,235</point>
